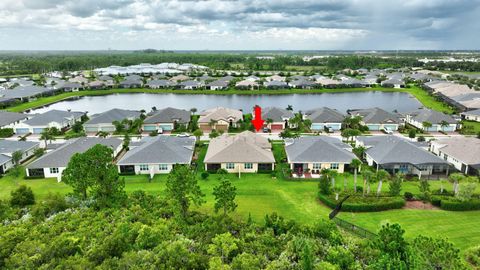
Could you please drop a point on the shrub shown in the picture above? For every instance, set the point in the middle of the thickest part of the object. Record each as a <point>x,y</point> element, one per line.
<point>22,196</point>
<point>205,175</point>
<point>412,133</point>
<point>455,205</point>
<point>53,203</point>
<point>39,152</point>
<point>472,255</point>
<point>408,196</point>
<point>6,132</point>
<point>222,171</point>
<point>364,204</point>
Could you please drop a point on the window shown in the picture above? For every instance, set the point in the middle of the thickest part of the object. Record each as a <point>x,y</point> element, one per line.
<point>230,166</point>
<point>53,170</point>
<point>248,165</point>
<point>334,166</point>
<point>317,166</point>
<point>163,167</point>
<point>143,167</point>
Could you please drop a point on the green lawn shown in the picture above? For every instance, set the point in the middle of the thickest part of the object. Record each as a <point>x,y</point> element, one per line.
<point>425,98</point>
<point>471,127</point>
<point>259,194</point>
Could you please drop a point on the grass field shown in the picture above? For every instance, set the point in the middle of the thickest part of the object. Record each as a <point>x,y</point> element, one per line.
<point>471,127</point>
<point>426,99</point>
<point>259,194</point>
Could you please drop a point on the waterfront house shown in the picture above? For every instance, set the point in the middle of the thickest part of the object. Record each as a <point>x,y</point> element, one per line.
<point>394,83</point>
<point>398,155</point>
<point>166,120</point>
<point>280,118</point>
<point>377,119</point>
<point>473,115</point>
<point>71,87</point>
<point>275,78</point>
<point>53,163</point>
<point>308,155</point>
<point>246,152</point>
<point>179,78</point>
<point>246,84</point>
<point>275,84</point>
<point>7,148</point>
<point>104,121</point>
<point>219,118</point>
<point>462,152</point>
<point>302,84</point>
<point>157,155</point>
<point>191,85</point>
<point>98,84</point>
<point>324,117</point>
<point>328,83</point>
<point>157,84</point>
<point>130,83</point>
<point>218,85</point>
<point>61,120</point>
<point>439,121</point>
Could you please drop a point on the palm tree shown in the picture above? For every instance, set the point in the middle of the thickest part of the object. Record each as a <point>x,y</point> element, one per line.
<point>426,125</point>
<point>47,135</point>
<point>456,178</point>
<point>444,124</point>
<point>380,176</point>
<point>289,108</point>
<point>212,123</point>
<point>193,110</point>
<point>367,177</point>
<point>355,164</point>
<point>198,133</point>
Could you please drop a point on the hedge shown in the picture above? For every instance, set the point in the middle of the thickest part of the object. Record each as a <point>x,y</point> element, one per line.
<point>454,205</point>
<point>6,132</point>
<point>362,205</point>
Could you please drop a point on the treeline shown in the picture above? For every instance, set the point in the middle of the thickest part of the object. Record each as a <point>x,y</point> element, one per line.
<point>454,66</point>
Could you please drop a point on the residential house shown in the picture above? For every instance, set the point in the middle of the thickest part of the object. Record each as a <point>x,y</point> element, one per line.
<point>104,121</point>
<point>179,78</point>
<point>394,83</point>
<point>252,78</point>
<point>328,83</point>
<point>79,79</point>
<point>280,118</point>
<point>26,93</point>
<point>166,120</point>
<point>352,82</point>
<point>461,152</point>
<point>109,81</point>
<point>98,84</point>
<point>308,156</point>
<point>71,87</point>
<point>398,155</point>
<point>10,119</point>
<point>219,118</point>
<point>246,84</point>
<point>218,85</point>
<point>157,84</point>
<point>324,118</point>
<point>61,120</point>
<point>246,152</point>
<point>133,77</point>
<point>471,115</point>
<point>377,119</point>
<point>275,78</point>
<point>7,148</point>
<point>302,84</point>
<point>53,163</point>
<point>157,155</point>
<point>130,83</point>
<point>191,85</point>
<point>439,121</point>
<point>275,84</point>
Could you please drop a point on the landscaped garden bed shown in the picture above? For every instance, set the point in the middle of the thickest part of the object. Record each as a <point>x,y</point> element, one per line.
<point>363,204</point>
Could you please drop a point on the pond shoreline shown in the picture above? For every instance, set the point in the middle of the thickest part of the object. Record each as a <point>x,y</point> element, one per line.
<point>416,92</point>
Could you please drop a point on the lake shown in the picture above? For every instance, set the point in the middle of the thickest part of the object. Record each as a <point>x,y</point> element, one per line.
<point>390,101</point>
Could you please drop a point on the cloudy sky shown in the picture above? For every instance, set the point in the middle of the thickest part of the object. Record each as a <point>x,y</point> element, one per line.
<point>239,24</point>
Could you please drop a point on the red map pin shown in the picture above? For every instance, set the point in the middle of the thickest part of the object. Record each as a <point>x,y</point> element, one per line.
<point>257,120</point>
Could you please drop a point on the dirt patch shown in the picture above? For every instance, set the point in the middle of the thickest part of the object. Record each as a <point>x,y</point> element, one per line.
<point>419,205</point>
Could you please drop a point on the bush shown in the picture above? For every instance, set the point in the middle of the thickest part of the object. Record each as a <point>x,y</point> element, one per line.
<point>222,171</point>
<point>39,152</point>
<point>364,204</point>
<point>22,196</point>
<point>412,133</point>
<point>408,196</point>
<point>54,203</point>
<point>205,175</point>
<point>6,132</point>
<point>472,255</point>
<point>455,205</point>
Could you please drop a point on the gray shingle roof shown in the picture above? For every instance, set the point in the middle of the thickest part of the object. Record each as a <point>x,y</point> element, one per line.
<point>52,116</point>
<point>161,149</point>
<point>474,112</point>
<point>376,116</point>
<point>219,83</point>
<point>169,115</point>
<point>318,149</point>
<point>162,83</point>
<point>394,150</point>
<point>434,117</point>
<point>61,156</point>
<point>325,115</point>
<point>25,91</point>
<point>275,83</point>
<point>7,118</point>
<point>276,114</point>
<point>112,115</point>
<point>8,147</point>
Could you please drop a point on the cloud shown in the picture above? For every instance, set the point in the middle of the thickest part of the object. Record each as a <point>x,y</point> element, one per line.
<point>224,24</point>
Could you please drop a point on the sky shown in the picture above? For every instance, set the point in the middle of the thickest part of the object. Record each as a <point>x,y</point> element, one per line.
<point>239,24</point>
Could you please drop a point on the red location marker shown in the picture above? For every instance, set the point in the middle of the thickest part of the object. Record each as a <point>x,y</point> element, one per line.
<point>257,119</point>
